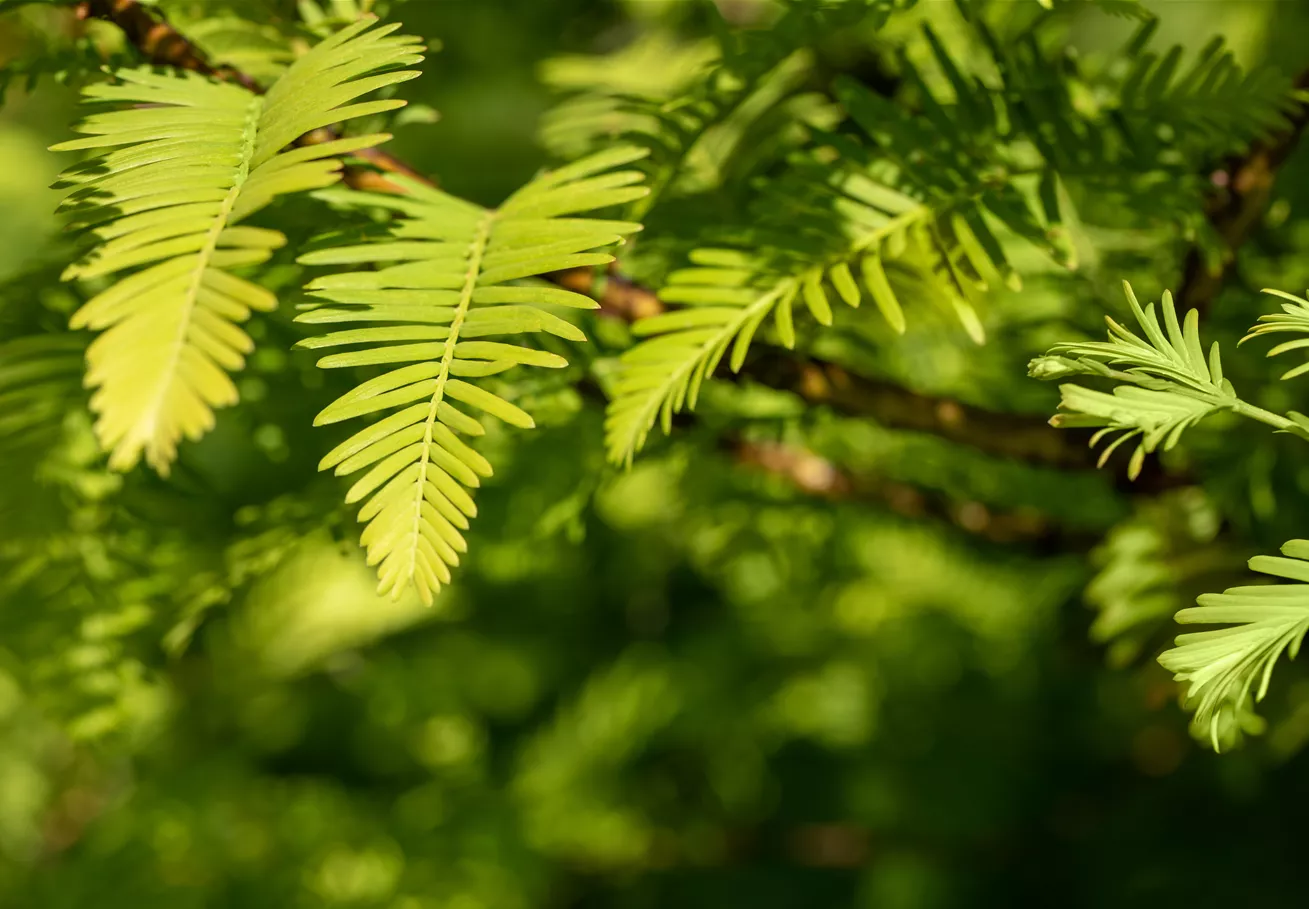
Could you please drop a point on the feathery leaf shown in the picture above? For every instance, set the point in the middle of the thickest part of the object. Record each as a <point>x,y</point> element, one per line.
<point>182,161</point>
<point>1226,667</point>
<point>444,285</point>
<point>1294,317</point>
<point>1168,382</point>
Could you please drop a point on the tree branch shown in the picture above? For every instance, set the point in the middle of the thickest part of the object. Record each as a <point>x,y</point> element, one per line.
<point>816,476</point>
<point>1005,435</point>
<point>158,41</point>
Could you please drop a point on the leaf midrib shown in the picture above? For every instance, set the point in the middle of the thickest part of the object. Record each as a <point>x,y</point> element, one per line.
<point>476,253</point>
<point>248,141</point>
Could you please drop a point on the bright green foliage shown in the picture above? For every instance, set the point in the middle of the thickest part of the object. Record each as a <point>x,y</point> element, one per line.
<point>184,162</point>
<point>928,201</point>
<point>821,645</point>
<point>725,305</point>
<point>1169,383</point>
<point>1226,667</point>
<point>1294,318</point>
<point>444,289</point>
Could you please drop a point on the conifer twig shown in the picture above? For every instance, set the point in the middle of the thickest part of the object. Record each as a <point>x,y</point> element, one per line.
<point>1006,435</point>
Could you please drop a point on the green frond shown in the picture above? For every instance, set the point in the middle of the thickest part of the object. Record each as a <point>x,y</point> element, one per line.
<point>1170,352</point>
<point>657,66</point>
<point>182,161</point>
<point>444,286</point>
<point>725,297</point>
<point>1168,383</point>
<point>821,230</point>
<point>1294,318</point>
<point>1228,667</point>
<point>1145,111</point>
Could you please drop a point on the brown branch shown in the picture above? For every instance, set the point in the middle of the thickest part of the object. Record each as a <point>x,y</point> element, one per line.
<point>816,476</point>
<point>619,297</point>
<point>158,41</point>
<point>1014,436</point>
<point>1244,185</point>
<point>1002,435</point>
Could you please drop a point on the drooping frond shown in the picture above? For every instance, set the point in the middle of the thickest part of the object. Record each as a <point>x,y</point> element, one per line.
<point>1227,667</point>
<point>821,226</point>
<point>1168,384</point>
<point>1294,318</point>
<point>182,162</point>
<point>445,286</point>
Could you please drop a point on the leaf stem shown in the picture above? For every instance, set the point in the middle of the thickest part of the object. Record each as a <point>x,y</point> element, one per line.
<point>1263,416</point>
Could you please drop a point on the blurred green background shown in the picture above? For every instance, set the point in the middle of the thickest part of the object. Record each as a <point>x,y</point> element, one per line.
<point>683,686</point>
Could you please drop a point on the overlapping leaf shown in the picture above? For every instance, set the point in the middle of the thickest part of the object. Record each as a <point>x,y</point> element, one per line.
<point>444,286</point>
<point>1212,99</point>
<point>182,161</point>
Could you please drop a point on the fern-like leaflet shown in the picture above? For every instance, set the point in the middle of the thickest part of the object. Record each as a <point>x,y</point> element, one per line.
<point>1226,667</point>
<point>1168,384</point>
<point>182,162</point>
<point>820,226</point>
<point>445,286</point>
<point>1293,318</point>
